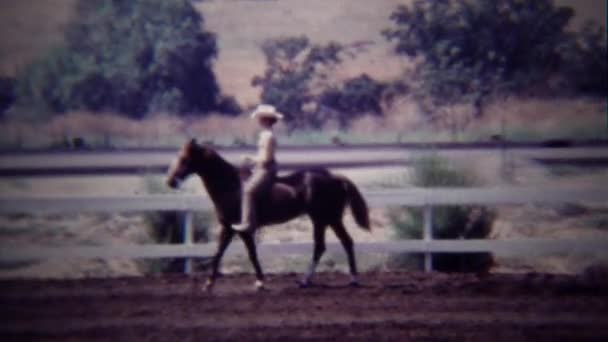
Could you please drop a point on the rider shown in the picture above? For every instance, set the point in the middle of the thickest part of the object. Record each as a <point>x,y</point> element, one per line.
<point>265,166</point>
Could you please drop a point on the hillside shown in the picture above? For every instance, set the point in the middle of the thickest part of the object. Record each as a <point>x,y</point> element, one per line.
<point>29,27</point>
<point>243,24</point>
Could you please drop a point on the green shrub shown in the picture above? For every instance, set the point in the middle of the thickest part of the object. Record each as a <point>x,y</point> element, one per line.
<point>585,63</point>
<point>166,227</point>
<point>356,97</point>
<point>453,222</point>
<point>132,57</point>
<point>473,48</point>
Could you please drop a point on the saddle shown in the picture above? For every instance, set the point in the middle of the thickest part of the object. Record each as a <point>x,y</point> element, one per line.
<point>279,188</point>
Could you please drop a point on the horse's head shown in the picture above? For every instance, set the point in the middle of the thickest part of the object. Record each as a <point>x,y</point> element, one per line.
<point>188,161</point>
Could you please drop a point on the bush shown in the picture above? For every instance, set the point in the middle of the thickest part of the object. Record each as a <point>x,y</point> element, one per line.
<point>166,228</point>
<point>132,57</point>
<point>463,222</point>
<point>585,61</point>
<point>471,49</point>
<point>356,97</point>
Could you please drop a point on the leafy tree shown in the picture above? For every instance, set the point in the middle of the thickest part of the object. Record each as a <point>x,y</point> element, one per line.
<point>133,57</point>
<point>294,70</point>
<point>298,81</point>
<point>471,48</point>
<point>586,61</point>
<point>357,96</point>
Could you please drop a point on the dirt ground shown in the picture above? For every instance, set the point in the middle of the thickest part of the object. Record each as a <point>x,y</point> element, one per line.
<point>388,306</point>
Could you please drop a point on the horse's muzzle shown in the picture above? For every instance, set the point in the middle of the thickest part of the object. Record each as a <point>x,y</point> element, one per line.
<point>173,183</point>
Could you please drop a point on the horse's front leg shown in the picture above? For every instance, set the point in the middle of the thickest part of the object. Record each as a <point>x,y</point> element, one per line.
<point>225,237</point>
<point>249,241</point>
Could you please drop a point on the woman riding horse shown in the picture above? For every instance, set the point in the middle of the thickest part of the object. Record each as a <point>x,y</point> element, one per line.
<point>265,167</point>
<point>317,193</point>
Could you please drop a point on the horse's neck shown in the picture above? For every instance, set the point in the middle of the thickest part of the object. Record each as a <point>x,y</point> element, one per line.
<point>219,177</point>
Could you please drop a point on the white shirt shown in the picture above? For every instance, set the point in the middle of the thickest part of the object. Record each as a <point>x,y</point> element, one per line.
<point>267,144</point>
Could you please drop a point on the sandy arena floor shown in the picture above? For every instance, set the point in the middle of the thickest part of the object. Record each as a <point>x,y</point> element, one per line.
<point>389,306</point>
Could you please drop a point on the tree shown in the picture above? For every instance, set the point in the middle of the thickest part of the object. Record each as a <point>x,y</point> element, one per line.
<point>585,57</point>
<point>471,48</point>
<point>294,71</point>
<point>133,57</point>
<point>299,81</point>
<point>355,97</point>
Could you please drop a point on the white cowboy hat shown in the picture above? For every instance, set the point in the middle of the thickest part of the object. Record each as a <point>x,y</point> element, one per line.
<point>266,111</point>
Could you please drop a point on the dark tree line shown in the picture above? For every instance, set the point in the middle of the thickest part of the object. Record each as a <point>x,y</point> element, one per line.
<point>133,57</point>
<point>473,49</point>
<point>142,56</point>
<point>298,80</point>
<point>468,52</point>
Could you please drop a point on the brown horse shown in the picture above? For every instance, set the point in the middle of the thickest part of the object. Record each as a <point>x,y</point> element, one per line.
<point>317,193</point>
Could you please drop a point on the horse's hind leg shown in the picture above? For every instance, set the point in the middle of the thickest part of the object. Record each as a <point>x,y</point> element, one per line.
<point>347,243</point>
<point>319,249</point>
<point>225,237</point>
<point>253,256</point>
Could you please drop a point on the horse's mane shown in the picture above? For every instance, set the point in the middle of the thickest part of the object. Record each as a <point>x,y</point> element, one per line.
<point>219,169</point>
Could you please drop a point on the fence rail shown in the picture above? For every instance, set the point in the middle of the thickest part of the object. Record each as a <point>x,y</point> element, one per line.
<point>156,161</point>
<point>426,198</point>
<point>414,197</point>
<point>528,247</point>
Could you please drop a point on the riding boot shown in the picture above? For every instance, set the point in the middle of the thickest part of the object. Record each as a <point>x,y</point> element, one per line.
<point>247,213</point>
<point>259,181</point>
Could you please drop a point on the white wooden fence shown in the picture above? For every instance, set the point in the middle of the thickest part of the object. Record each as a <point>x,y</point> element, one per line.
<point>414,197</point>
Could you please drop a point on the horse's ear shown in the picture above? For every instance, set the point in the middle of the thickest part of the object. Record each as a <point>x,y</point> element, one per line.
<point>191,144</point>
<point>209,152</point>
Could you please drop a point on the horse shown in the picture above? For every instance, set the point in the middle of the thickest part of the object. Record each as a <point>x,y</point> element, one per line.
<point>318,193</point>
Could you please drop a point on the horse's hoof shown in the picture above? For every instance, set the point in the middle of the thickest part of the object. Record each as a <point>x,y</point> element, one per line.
<point>209,286</point>
<point>304,284</point>
<point>354,283</point>
<point>259,285</point>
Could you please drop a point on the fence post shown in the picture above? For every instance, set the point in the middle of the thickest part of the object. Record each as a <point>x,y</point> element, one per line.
<point>188,230</point>
<point>427,235</point>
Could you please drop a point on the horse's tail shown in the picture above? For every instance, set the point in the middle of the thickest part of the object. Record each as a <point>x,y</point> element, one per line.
<point>358,206</point>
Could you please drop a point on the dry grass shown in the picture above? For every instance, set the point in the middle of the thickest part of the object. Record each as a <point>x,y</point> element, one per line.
<point>113,130</point>
<point>523,119</point>
<point>545,118</point>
